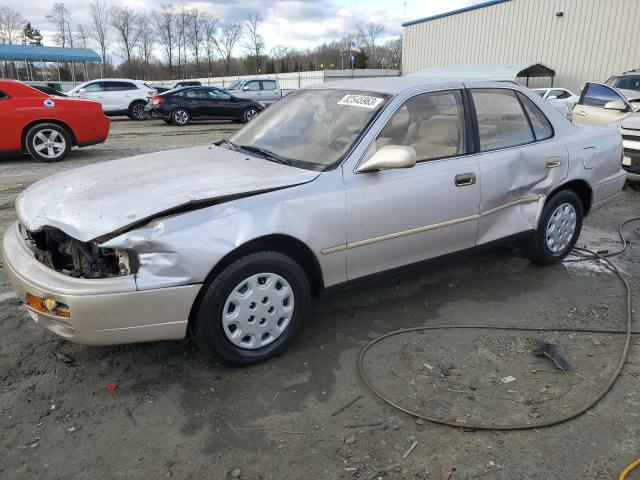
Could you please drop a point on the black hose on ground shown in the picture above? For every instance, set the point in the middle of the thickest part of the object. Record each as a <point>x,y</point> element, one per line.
<point>584,255</point>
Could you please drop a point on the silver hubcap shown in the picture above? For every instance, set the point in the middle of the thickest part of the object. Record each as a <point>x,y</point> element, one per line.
<point>258,310</point>
<point>250,114</point>
<point>49,143</point>
<point>561,228</point>
<point>181,117</point>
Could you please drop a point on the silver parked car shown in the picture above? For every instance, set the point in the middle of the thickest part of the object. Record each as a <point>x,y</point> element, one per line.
<point>331,184</point>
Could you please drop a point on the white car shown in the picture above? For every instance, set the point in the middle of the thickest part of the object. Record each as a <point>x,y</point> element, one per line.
<point>117,96</point>
<point>560,98</point>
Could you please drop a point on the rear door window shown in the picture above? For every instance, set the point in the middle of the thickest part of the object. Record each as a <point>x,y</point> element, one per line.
<point>502,123</point>
<point>119,86</point>
<point>269,85</point>
<point>597,95</point>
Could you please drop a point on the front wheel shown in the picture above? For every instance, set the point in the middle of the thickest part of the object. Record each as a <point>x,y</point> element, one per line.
<point>48,142</point>
<point>253,310</point>
<point>180,117</point>
<point>558,230</point>
<point>249,114</point>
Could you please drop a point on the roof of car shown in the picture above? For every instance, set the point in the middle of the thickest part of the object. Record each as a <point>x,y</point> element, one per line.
<point>395,85</point>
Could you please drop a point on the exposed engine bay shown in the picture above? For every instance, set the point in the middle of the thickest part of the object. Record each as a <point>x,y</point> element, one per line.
<point>69,256</point>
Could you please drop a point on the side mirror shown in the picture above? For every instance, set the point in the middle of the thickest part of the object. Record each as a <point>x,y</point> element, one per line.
<point>388,157</point>
<point>82,90</point>
<point>618,105</point>
<point>245,88</point>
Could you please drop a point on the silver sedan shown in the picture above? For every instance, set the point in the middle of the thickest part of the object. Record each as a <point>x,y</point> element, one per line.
<point>331,184</point>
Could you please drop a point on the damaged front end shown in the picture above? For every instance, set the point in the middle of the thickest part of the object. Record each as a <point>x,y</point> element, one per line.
<point>77,259</point>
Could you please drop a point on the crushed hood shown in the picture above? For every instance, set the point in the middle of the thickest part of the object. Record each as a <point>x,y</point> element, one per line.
<point>97,200</point>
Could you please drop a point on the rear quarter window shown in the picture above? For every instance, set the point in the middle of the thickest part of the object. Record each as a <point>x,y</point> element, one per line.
<point>3,95</point>
<point>542,128</point>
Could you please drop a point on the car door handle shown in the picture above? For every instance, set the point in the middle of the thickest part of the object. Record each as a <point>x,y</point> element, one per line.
<point>553,162</point>
<point>582,113</point>
<point>465,179</point>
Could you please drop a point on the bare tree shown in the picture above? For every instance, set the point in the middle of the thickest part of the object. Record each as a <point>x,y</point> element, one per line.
<point>59,16</point>
<point>368,35</point>
<point>99,26</point>
<point>197,25</point>
<point>210,31</point>
<point>254,43</point>
<point>124,22</point>
<point>146,41</point>
<point>226,40</point>
<point>11,23</point>
<point>164,21</point>
<point>82,36</point>
<point>181,38</point>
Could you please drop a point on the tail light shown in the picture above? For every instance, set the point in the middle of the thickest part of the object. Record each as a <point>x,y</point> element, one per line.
<point>155,100</point>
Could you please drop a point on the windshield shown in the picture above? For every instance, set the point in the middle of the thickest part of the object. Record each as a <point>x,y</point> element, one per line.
<point>630,82</point>
<point>236,85</point>
<point>313,129</point>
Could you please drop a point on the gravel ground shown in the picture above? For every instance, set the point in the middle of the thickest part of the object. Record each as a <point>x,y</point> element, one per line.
<point>176,415</point>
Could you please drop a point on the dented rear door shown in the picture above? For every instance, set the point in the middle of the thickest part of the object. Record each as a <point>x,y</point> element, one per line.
<point>520,160</point>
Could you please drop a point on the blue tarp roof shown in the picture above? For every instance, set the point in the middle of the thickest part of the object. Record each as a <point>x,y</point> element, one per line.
<point>48,54</point>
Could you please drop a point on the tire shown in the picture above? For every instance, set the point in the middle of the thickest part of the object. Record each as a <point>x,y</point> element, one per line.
<point>561,216</point>
<point>180,117</point>
<point>223,316</point>
<point>248,114</point>
<point>48,142</point>
<point>136,111</point>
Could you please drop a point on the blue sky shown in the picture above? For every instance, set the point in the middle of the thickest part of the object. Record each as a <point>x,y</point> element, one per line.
<point>294,23</point>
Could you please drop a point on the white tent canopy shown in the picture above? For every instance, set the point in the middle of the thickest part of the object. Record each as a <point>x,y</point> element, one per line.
<point>497,71</point>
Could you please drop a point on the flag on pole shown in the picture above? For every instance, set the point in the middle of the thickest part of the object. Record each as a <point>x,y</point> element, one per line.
<point>354,47</point>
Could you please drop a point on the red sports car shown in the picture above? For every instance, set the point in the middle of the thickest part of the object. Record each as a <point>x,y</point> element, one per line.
<point>47,126</point>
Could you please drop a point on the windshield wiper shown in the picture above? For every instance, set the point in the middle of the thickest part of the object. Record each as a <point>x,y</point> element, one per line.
<point>228,142</point>
<point>274,157</point>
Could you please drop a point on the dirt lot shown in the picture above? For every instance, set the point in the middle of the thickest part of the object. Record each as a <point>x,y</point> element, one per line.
<point>175,415</point>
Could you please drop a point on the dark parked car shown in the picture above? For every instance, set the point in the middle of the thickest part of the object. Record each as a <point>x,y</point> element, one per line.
<point>186,83</point>
<point>182,105</point>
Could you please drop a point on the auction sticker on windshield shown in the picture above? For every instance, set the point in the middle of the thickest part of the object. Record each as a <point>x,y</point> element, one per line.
<point>363,101</point>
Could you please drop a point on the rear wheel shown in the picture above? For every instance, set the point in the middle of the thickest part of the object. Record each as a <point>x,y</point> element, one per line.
<point>249,114</point>
<point>48,142</point>
<point>558,230</point>
<point>253,309</point>
<point>180,117</point>
<point>137,111</point>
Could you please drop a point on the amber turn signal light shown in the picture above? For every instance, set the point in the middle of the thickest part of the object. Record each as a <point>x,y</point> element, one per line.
<point>47,305</point>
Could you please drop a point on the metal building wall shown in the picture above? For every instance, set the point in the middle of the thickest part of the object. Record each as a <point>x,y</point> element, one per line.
<point>593,40</point>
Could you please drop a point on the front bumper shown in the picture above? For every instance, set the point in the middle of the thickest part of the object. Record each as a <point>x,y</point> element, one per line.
<point>102,311</point>
<point>631,162</point>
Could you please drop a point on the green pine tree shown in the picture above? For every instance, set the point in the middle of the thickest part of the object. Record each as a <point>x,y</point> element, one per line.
<point>31,36</point>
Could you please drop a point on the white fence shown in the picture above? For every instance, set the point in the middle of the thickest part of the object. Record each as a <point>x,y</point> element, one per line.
<point>287,81</point>
<point>292,80</point>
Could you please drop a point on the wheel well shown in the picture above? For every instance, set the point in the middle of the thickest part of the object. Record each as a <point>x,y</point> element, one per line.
<point>580,188</point>
<point>284,244</point>
<point>27,127</point>
<point>135,101</point>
